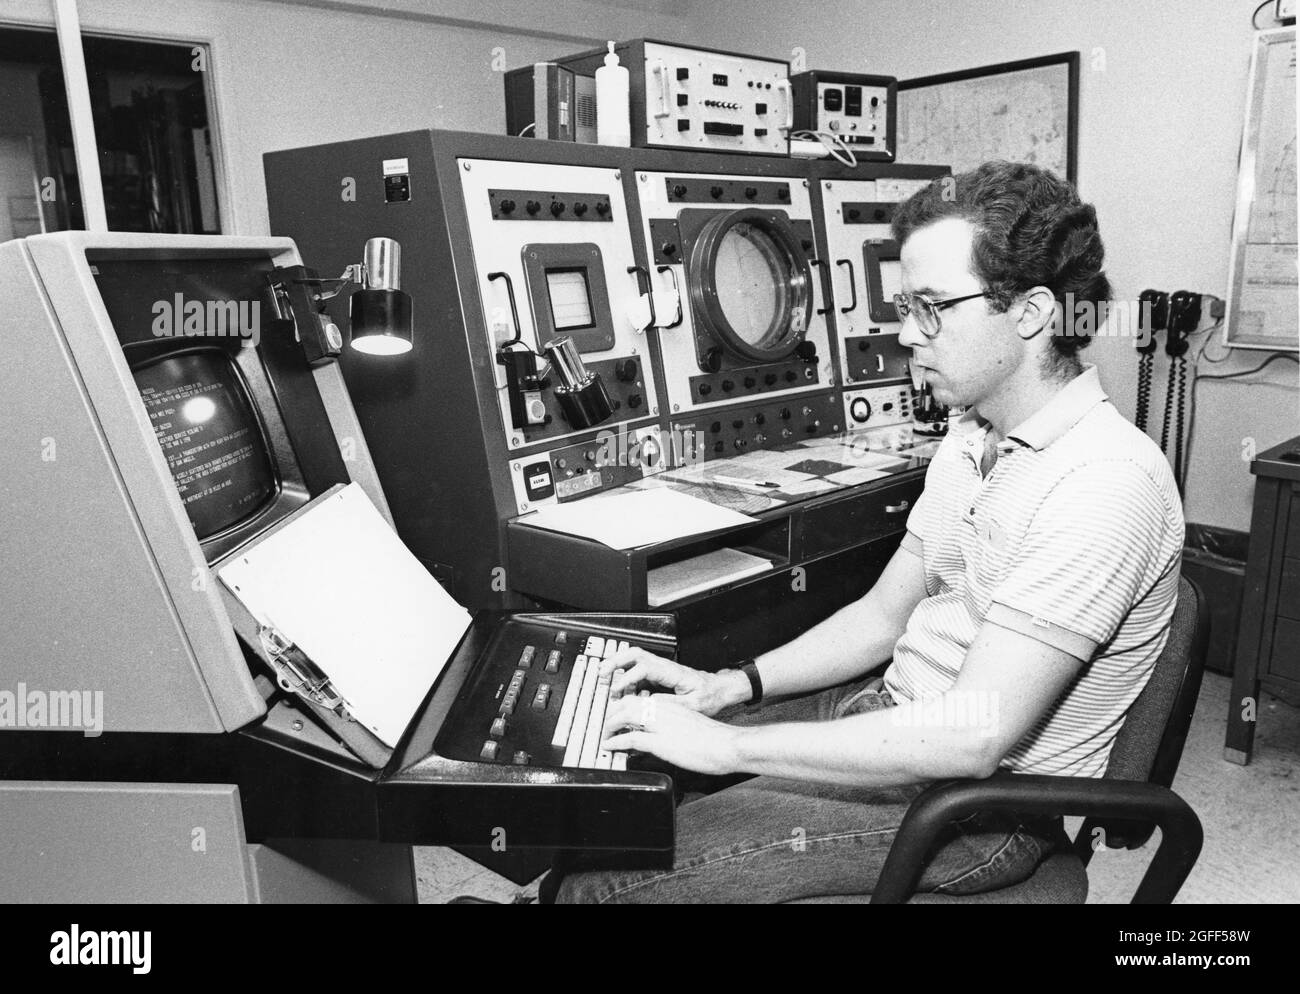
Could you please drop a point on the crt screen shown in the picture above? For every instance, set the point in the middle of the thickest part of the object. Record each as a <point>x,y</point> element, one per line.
<point>212,439</point>
<point>570,299</point>
<point>891,279</point>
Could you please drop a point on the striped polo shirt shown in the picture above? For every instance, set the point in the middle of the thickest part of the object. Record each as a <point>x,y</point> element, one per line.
<point>1074,538</point>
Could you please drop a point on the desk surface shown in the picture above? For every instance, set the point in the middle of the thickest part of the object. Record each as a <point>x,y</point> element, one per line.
<point>1274,461</point>
<point>801,471</point>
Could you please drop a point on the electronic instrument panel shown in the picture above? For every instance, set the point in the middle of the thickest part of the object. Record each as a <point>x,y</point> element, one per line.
<point>864,260</point>
<point>749,346</point>
<point>701,99</point>
<point>554,260</point>
<point>858,109</point>
<point>586,317</point>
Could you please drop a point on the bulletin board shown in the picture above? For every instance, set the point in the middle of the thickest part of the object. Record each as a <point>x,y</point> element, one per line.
<point>1263,309</point>
<point>1025,111</point>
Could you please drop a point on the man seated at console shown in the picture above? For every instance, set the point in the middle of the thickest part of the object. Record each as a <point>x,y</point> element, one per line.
<point>1020,618</point>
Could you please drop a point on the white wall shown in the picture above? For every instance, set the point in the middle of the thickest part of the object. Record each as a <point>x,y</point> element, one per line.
<point>1159,132</point>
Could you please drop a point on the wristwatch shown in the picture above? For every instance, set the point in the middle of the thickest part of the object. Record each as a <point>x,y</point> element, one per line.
<point>755,681</point>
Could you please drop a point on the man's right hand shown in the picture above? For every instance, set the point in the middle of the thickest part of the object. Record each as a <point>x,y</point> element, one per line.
<point>707,693</point>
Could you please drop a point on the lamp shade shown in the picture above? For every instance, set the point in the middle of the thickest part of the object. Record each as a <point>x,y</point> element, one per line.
<point>381,321</point>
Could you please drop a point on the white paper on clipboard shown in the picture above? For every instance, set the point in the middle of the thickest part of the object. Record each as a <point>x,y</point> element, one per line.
<point>341,586</point>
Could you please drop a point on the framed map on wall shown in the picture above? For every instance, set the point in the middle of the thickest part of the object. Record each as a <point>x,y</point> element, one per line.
<point>1024,111</point>
<point>1263,312</point>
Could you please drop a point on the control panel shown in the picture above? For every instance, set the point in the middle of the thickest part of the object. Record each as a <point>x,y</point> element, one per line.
<point>739,291</point>
<point>858,109</point>
<point>611,459</point>
<point>866,273</point>
<point>877,407</point>
<point>696,98</point>
<point>751,427</point>
<point>566,316</point>
<point>538,696</point>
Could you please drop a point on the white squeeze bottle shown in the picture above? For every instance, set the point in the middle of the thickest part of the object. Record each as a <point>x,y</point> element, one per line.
<point>613,126</point>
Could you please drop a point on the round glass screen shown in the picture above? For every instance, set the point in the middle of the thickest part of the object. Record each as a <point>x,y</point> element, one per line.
<point>752,277</point>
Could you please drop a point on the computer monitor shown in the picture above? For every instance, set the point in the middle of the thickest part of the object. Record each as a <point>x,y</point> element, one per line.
<point>224,390</point>
<point>214,441</point>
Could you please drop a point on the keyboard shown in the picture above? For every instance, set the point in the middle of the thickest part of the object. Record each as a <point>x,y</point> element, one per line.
<point>538,698</point>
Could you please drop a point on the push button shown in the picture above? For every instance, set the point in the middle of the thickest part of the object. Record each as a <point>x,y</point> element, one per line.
<point>498,728</point>
<point>553,661</point>
<point>489,750</point>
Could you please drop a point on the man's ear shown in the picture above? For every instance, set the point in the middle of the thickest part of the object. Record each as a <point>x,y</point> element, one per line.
<point>1038,313</point>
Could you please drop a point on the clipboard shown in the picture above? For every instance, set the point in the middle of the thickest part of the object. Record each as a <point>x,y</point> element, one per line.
<point>347,617</point>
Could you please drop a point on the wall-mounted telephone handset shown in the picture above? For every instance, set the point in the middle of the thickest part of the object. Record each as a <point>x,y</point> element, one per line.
<point>1184,316</point>
<point>1154,316</point>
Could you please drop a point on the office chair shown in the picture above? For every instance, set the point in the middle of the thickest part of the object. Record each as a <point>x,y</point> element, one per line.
<point>1127,803</point>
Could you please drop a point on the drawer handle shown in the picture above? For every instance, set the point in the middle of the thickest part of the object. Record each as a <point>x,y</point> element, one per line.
<point>898,508</point>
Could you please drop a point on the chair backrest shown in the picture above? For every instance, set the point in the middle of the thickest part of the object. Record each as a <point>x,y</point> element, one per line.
<point>1150,742</point>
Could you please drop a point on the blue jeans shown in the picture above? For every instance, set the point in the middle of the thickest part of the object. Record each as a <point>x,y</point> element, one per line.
<point>769,839</point>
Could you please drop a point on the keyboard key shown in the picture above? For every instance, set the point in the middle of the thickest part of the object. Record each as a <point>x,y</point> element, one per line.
<point>489,750</point>
<point>623,646</point>
<point>619,761</point>
<point>553,661</point>
<point>611,647</point>
<point>595,724</point>
<point>498,728</point>
<point>561,638</point>
<point>521,758</point>
<point>526,657</point>
<point>582,717</point>
<point>541,697</point>
<point>570,704</point>
<point>595,646</point>
<point>603,759</point>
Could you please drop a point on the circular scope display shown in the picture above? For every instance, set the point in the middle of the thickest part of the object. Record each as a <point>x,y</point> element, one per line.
<point>750,284</point>
<point>753,285</point>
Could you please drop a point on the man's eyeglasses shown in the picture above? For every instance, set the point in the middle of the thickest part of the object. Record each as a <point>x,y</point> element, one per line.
<point>926,311</point>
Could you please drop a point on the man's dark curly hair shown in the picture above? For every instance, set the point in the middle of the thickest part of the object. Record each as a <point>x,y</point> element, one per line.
<point>1031,230</point>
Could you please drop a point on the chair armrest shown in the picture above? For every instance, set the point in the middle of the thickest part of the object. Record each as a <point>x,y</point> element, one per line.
<point>948,801</point>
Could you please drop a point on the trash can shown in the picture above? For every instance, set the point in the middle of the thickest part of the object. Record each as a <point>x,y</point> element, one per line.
<point>1215,559</point>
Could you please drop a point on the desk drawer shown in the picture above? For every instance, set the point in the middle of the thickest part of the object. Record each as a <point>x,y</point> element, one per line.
<point>842,524</point>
